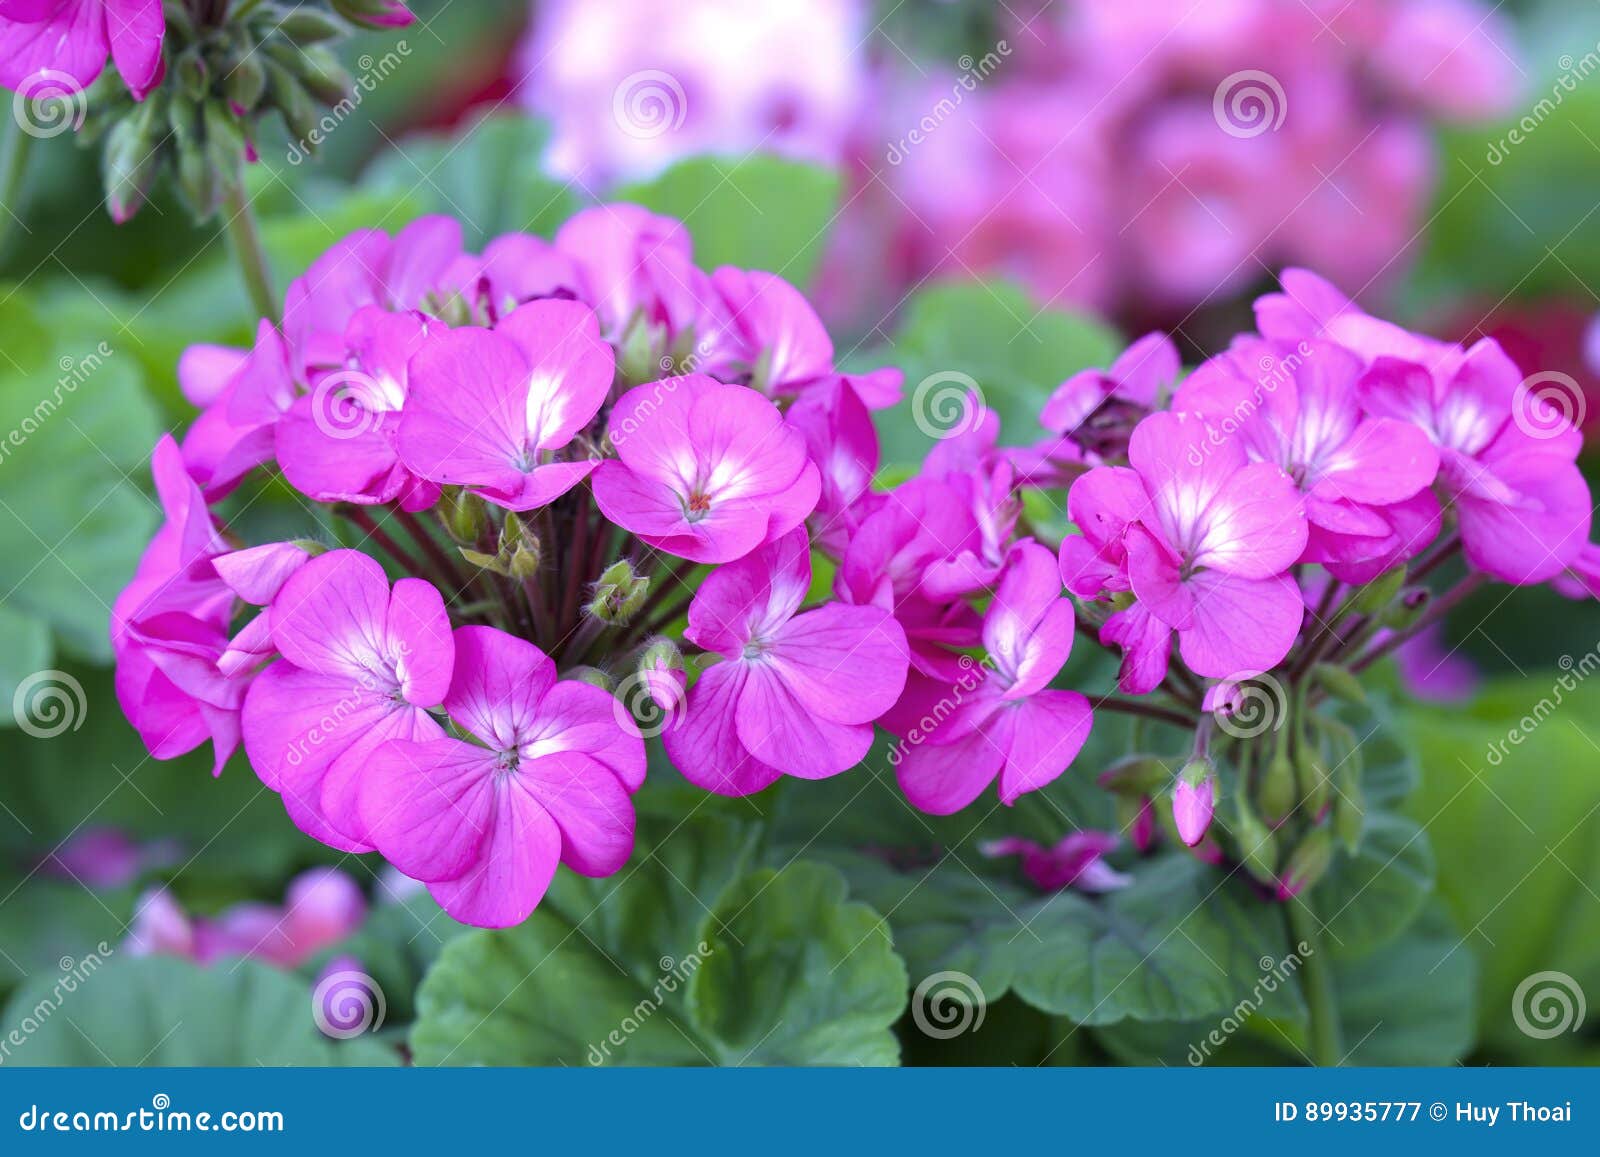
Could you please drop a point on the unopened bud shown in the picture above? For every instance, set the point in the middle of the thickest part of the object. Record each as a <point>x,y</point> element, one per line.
<point>1376,596</point>
<point>593,676</point>
<point>132,157</point>
<point>1307,864</point>
<point>661,670</point>
<point>1136,775</point>
<point>1194,800</point>
<point>1348,811</point>
<point>1340,683</point>
<point>1311,772</point>
<point>194,77</point>
<point>245,82</point>
<point>374,14</point>
<point>619,594</point>
<point>1258,847</point>
<point>464,514</point>
<point>1277,794</point>
<point>1136,815</point>
<point>311,26</point>
<point>1406,610</point>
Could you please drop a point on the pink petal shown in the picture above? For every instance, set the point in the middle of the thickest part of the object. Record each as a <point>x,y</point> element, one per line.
<point>846,664</point>
<point>1041,736</point>
<point>1241,625</point>
<point>704,743</point>
<point>783,732</point>
<point>569,367</point>
<point>331,614</point>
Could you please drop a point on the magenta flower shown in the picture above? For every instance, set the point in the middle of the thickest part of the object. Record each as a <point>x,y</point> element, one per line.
<point>796,694</point>
<point>485,824</point>
<point>1582,577</point>
<point>1077,860</point>
<point>705,471</point>
<point>1203,538</point>
<point>1002,722</point>
<point>361,665</point>
<point>73,38</point>
<point>632,266</point>
<point>337,443</point>
<point>489,409</point>
<point>256,574</point>
<point>235,431</point>
<point>1507,458</point>
<point>1298,407</point>
<point>843,444</point>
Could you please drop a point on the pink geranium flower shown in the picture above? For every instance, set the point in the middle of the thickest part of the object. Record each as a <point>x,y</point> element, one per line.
<point>489,410</point>
<point>1507,458</point>
<point>705,471</point>
<point>235,432</point>
<point>1297,407</point>
<point>485,824</point>
<point>796,694</point>
<point>1203,538</point>
<point>361,665</point>
<point>1004,723</point>
<point>73,38</point>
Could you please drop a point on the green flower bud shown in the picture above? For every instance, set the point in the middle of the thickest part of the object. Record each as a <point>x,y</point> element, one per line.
<point>593,676</point>
<point>1340,683</point>
<point>377,15</point>
<point>1136,776</point>
<point>1406,610</point>
<point>1380,592</point>
<point>193,75</point>
<point>1311,773</point>
<point>292,101</point>
<point>1307,864</point>
<point>1277,793</point>
<point>312,26</point>
<point>464,514</point>
<point>619,594</point>
<point>1258,847</point>
<point>1348,810</point>
<point>133,155</point>
<point>245,82</point>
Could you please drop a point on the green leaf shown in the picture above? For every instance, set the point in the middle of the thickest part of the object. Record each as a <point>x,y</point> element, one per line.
<point>160,1011</point>
<point>1410,1002</point>
<point>603,971</point>
<point>1181,942</point>
<point>489,177</point>
<point>1372,896</point>
<point>987,335</point>
<point>1511,805</point>
<point>47,924</point>
<point>761,212</point>
<point>74,425</point>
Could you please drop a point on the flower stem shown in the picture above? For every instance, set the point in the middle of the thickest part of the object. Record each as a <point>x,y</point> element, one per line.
<point>247,251</point>
<point>1147,710</point>
<point>1327,1050</point>
<point>13,164</point>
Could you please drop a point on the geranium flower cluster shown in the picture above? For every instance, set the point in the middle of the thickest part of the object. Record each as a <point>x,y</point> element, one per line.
<point>531,451</point>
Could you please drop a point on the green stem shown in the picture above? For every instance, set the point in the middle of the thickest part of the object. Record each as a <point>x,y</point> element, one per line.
<point>247,250</point>
<point>13,164</point>
<point>1327,1050</point>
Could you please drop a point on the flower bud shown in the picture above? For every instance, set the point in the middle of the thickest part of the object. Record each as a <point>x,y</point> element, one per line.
<point>1194,800</point>
<point>374,14</point>
<point>1307,864</point>
<point>464,514</point>
<point>1136,776</point>
<point>311,26</point>
<point>194,78</point>
<point>1348,809</point>
<point>1340,683</point>
<point>1258,847</point>
<point>520,549</point>
<point>661,670</point>
<point>1136,815</point>
<point>245,82</point>
<point>619,594</point>
<point>1376,596</point>
<point>489,562</point>
<point>132,157</point>
<point>292,101</point>
<point>1277,794</point>
<point>593,676</point>
<point>1407,609</point>
<point>1311,773</point>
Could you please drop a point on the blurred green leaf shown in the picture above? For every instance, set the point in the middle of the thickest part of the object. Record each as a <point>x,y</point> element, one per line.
<point>74,427</point>
<point>47,924</point>
<point>1368,898</point>
<point>1511,803</point>
<point>761,212</point>
<point>159,1011</point>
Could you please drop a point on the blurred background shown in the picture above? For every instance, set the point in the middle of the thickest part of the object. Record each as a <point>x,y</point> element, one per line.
<point>1010,189</point>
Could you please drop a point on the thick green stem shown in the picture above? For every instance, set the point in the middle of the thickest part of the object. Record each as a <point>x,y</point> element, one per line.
<point>247,251</point>
<point>1327,1049</point>
<point>13,164</point>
